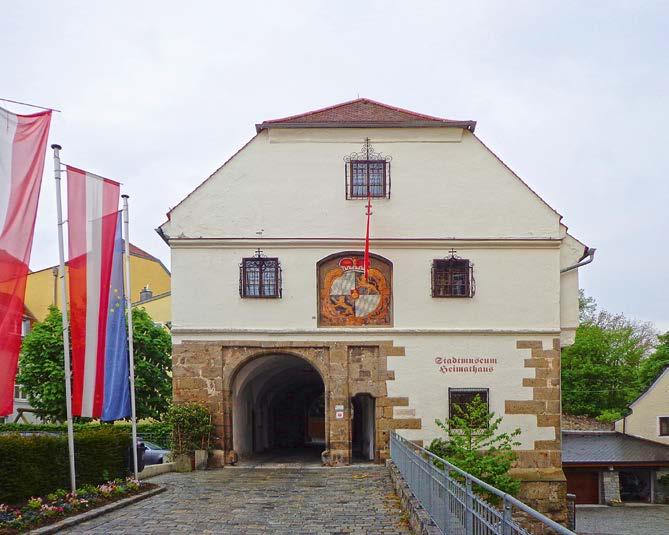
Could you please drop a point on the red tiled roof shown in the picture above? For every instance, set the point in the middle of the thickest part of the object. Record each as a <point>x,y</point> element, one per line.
<point>362,112</point>
<point>136,251</point>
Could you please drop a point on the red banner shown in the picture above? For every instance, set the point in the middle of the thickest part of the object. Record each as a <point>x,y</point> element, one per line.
<point>92,212</point>
<point>23,141</point>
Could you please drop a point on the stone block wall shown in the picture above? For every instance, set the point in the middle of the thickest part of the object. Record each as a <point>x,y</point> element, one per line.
<point>544,485</point>
<point>205,372</point>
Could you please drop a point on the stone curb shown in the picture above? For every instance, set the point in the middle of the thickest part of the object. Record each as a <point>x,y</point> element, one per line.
<point>419,521</point>
<point>94,513</point>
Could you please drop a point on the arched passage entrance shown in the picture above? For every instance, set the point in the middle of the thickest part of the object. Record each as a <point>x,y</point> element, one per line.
<point>278,409</point>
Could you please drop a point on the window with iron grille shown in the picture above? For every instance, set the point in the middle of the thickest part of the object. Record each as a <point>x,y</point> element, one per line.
<point>260,277</point>
<point>664,426</point>
<point>368,178</point>
<point>459,398</point>
<point>452,277</point>
<point>367,173</point>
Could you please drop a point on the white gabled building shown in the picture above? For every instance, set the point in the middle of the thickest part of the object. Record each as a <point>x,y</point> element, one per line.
<point>472,289</point>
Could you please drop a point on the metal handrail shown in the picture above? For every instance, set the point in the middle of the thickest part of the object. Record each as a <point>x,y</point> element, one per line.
<point>468,501</point>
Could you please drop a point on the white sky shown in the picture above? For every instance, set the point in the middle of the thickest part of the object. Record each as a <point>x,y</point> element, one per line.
<point>572,95</point>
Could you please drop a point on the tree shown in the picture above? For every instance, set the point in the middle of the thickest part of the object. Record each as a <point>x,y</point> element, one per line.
<point>475,445</point>
<point>153,365</point>
<point>41,368</point>
<point>602,372</point>
<point>42,376</point>
<point>653,366</point>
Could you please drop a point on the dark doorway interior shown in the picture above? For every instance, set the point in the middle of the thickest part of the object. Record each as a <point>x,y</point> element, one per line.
<point>635,485</point>
<point>363,427</point>
<point>278,410</point>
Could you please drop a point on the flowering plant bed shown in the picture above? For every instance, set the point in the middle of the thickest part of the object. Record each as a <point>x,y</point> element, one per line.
<point>41,511</point>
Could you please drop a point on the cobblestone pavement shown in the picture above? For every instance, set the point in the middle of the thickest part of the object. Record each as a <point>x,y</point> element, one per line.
<point>626,520</point>
<point>357,500</point>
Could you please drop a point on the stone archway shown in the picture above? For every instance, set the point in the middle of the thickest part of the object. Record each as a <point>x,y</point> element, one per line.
<point>207,371</point>
<point>271,398</point>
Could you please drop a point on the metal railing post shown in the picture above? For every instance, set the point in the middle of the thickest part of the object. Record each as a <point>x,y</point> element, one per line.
<point>447,499</point>
<point>469,508</point>
<point>507,517</point>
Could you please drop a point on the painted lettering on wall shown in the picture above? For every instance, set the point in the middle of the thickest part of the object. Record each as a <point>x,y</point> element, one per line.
<point>448,365</point>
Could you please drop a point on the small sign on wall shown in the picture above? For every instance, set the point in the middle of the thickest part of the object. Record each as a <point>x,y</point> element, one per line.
<point>339,415</point>
<point>339,407</point>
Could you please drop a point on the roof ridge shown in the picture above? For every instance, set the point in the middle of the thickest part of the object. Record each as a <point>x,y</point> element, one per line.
<point>362,112</point>
<point>348,102</point>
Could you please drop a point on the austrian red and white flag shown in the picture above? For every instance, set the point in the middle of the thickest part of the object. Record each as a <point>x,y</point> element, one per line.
<point>22,149</point>
<point>92,207</point>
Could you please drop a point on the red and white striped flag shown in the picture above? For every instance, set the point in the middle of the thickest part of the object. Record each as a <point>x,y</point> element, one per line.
<point>22,149</point>
<point>92,206</point>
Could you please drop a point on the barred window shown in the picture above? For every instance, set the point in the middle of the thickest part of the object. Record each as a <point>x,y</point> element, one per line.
<point>664,426</point>
<point>260,277</point>
<point>459,398</point>
<point>368,178</point>
<point>452,277</point>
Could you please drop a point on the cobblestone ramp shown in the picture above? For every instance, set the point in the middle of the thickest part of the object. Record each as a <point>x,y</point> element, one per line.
<point>250,501</point>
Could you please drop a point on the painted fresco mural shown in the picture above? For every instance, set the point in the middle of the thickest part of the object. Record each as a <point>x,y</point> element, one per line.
<point>347,299</point>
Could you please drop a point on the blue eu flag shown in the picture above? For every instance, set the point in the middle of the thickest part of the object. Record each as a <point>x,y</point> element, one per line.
<point>116,404</point>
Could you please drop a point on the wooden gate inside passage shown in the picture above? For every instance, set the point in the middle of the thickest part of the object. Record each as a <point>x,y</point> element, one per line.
<point>584,484</point>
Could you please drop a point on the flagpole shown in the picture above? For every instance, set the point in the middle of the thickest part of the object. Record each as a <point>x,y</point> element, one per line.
<point>66,322</point>
<point>131,352</point>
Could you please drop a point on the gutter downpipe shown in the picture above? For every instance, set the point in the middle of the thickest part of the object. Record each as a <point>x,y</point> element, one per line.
<point>589,254</point>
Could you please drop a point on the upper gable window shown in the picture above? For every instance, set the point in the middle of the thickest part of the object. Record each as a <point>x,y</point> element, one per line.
<point>664,426</point>
<point>260,277</point>
<point>452,277</point>
<point>367,174</point>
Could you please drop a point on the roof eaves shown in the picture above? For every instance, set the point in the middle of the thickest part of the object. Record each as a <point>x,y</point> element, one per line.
<point>518,177</point>
<point>442,123</point>
<point>664,371</point>
<point>160,232</point>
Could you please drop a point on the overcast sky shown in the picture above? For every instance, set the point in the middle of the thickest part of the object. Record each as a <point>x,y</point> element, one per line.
<point>574,96</point>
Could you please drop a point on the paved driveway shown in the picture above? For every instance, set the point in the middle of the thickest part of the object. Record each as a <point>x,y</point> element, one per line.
<point>251,500</point>
<point>626,520</point>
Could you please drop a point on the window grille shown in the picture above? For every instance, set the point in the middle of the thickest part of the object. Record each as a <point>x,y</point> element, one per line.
<point>260,277</point>
<point>664,426</point>
<point>459,398</point>
<point>367,174</point>
<point>453,277</point>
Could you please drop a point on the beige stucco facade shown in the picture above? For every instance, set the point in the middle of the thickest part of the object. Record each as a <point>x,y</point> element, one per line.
<point>284,193</point>
<point>646,411</point>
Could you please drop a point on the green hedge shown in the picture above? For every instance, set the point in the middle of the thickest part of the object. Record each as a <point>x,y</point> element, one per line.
<point>36,465</point>
<point>158,432</point>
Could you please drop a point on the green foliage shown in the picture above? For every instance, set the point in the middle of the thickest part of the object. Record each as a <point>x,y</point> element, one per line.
<point>42,376</point>
<point>41,370</point>
<point>653,366</point>
<point>158,432</point>
<point>191,427</point>
<point>613,360</point>
<point>600,370</point>
<point>153,364</point>
<point>609,416</point>
<point>38,464</point>
<point>476,445</point>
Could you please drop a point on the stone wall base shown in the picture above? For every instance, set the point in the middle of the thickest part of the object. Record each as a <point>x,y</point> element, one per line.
<point>545,491</point>
<point>419,520</point>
